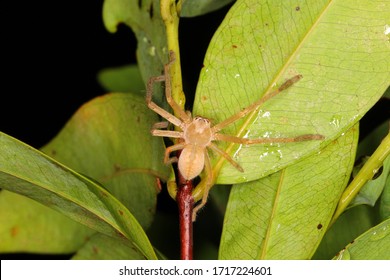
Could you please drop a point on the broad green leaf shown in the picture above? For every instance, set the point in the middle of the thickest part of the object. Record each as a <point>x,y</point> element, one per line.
<point>108,139</point>
<point>349,226</point>
<point>29,172</point>
<point>285,215</point>
<point>144,18</point>
<point>374,244</point>
<point>28,226</point>
<point>371,191</point>
<point>103,247</point>
<point>122,79</point>
<point>193,8</point>
<point>340,47</point>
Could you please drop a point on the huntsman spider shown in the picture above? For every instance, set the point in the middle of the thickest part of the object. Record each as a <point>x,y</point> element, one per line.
<point>198,134</point>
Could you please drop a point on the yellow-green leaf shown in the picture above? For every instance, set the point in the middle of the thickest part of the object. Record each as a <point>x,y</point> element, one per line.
<point>285,215</point>
<point>29,172</point>
<point>340,47</point>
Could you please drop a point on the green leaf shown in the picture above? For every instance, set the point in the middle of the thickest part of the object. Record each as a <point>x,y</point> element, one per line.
<point>193,8</point>
<point>285,215</point>
<point>340,48</point>
<point>144,18</point>
<point>384,206</point>
<point>371,191</point>
<point>103,247</point>
<point>122,79</point>
<point>349,226</point>
<point>374,244</point>
<point>108,139</point>
<point>28,226</point>
<point>29,172</point>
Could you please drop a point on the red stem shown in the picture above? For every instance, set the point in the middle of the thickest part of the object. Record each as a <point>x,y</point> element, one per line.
<point>185,203</point>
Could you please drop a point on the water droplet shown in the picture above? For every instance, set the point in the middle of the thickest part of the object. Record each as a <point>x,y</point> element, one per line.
<point>152,51</point>
<point>263,155</point>
<point>236,154</point>
<point>335,121</point>
<point>266,115</point>
<point>380,233</point>
<point>387,29</point>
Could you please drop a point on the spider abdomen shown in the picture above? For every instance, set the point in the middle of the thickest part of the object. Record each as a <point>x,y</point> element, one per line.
<point>191,161</point>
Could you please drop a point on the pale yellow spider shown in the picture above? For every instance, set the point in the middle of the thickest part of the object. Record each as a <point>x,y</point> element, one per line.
<point>198,134</point>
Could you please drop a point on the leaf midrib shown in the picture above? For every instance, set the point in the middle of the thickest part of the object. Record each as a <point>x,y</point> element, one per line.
<point>264,246</point>
<point>241,131</point>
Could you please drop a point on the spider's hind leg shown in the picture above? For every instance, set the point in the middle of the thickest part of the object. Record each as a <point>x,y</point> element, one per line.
<point>206,188</point>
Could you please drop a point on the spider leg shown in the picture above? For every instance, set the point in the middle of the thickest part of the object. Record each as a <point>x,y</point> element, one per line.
<point>209,174</point>
<point>171,149</point>
<point>226,156</point>
<point>167,133</point>
<point>238,140</point>
<point>153,106</point>
<point>255,105</point>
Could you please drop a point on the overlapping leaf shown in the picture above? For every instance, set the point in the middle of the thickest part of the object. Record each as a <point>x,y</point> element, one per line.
<point>27,171</point>
<point>28,226</point>
<point>144,18</point>
<point>109,140</point>
<point>374,244</point>
<point>285,215</point>
<point>340,47</point>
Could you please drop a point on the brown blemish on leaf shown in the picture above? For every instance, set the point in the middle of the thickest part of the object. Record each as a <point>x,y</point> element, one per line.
<point>297,8</point>
<point>14,231</point>
<point>234,46</point>
<point>204,98</point>
<point>120,212</point>
<point>95,250</point>
<point>319,226</point>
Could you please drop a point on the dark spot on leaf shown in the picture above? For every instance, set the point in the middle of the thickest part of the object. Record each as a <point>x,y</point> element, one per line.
<point>202,65</point>
<point>353,241</point>
<point>140,4</point>
<point>266,24</point>
<point>338,254</point>
<point>14,231</point>
<point>53,152</point>
<point>104,194</point>
<point>319,226</point>
<point>138,119</point>
<point>117,167</point>
<point>297,8</point>
<point>234,46</point>
<point>120,212</point>
<point>151,12</point>
<point>95,250</point>
<point>204,98</point>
